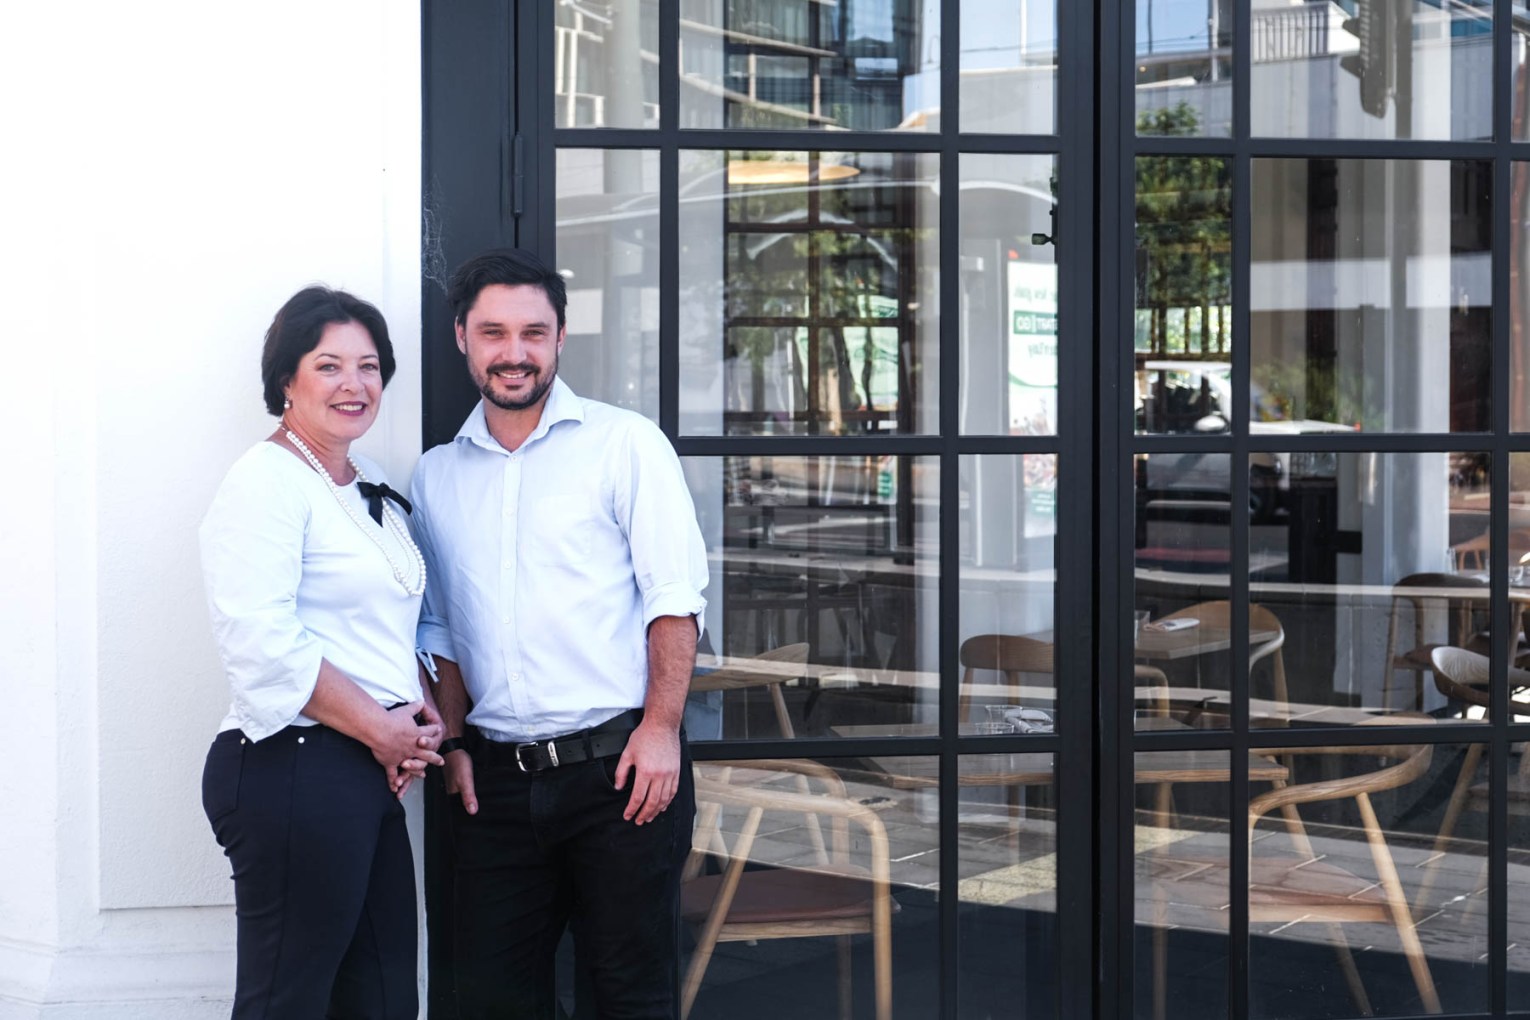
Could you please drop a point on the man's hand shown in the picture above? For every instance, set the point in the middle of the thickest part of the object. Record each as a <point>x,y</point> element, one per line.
<point>653,758</point>
<point>459,779</point>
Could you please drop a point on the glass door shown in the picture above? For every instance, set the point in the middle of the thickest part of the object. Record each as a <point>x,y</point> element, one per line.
<point>866,327</point>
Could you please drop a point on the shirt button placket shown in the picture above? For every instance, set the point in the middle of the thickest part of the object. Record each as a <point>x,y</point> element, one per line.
<point>509,535</point>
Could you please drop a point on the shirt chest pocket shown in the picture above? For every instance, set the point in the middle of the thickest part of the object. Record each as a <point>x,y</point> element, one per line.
<point>562,529</point>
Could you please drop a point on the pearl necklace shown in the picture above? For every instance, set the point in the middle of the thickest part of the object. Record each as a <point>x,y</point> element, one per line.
<point>393,522</point>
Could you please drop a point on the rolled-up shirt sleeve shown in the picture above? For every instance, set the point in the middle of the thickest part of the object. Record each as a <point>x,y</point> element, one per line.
<point>669,558</point>
<point>434,633</point>
<point>252,562</point>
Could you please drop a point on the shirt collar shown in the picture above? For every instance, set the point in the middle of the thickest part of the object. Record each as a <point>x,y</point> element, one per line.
<point>563,404</point>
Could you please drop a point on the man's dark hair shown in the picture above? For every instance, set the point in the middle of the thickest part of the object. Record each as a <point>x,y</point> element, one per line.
<point>512,267</point>
<point>298,326</point>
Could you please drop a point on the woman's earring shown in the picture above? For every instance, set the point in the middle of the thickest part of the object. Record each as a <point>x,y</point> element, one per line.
<point>287,404</point>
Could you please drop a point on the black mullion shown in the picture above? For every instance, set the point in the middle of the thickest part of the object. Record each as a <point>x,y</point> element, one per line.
<point>669,218</point>
<point>1117,504</point>
<point>1347,148</point>
<point>806,140</point>
<point>949,599</point>
<point>1498,523</point>
<point>1238,845</point>
<point>536,225</point>
<point>1375,442</point>
<point>1019,145</point>
<point>1077,671</point>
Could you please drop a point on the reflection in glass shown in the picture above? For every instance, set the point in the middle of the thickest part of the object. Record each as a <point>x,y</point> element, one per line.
<point>808,293</point>
<point>1519,287</point>
<point>1181,633</point>
<point>1320,71</point>
<point>1009,67</point>
<point>797,836</point>
<point>1371,292</point>
<point>1359,902</point>
<point>608,252</point>
<point>1473,825</point>
<point>798,64</point>
<point>1181,890</point>
<point>1182,341</point>
<point>1184,67</point>
<point>606,64</point>
<point>822,608</point>
<point>1009,295</point>
<point>1007,863</point>
<point>1372,562</point>
<point>1008,585</point>
<point>1519,58</point>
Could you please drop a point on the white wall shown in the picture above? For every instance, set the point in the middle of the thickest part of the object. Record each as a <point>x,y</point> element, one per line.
<point>172,173</point>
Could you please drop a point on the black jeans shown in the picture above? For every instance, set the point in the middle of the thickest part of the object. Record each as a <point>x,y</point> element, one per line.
<point>551,849</point>
<point>323,877</point>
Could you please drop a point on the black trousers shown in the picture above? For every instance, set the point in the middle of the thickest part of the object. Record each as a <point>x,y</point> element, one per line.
<point>323,877</point>
<point>551,850</point>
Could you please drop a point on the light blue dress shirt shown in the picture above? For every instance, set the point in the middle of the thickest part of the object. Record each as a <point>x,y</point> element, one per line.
<point>548,563</point>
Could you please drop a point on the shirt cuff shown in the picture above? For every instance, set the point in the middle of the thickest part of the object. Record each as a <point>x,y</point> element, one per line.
<point>674,599</point>
<point>271,709</point>
<point>436,638</point>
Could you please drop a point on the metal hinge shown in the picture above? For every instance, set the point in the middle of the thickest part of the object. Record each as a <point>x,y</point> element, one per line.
<point>517,178</point>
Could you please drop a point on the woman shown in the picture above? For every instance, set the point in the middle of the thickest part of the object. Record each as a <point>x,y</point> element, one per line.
<point>314,586</point>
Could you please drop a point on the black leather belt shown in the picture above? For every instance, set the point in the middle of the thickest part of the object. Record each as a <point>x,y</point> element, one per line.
<point>602,741</point>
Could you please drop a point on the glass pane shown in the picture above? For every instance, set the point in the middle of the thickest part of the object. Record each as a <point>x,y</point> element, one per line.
<point>1182,337</point>
<point>1519,277</point>
<point>1009,67</point>
<point>1374,69</point>
<point>864,839</point>
<point>1184,67</point>
<point>1520,57</point>
<point>1007,862</point>
<point>606,64</point>
<point>1181,628</point>
<point>1473,825</point>
<point>808,293</point>
<point>1362,899</point>
<point>808,64</point>
<point>1370,569</point>
<point>608,252</point>
<point>1008,592</point>
<point>1182,894</point>
<point>822,610</point>
<point>1371,289</point>
<point>1009,295</point>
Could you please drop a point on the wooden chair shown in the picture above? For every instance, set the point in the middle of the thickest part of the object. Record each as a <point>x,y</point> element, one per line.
<point>1424,595</point>
<point>1473,553</point>
<point>1012,655</point>
<point>1306,887</point>
<point>769,670</point>
<point>1261,619</point>
<point>1462,676</point>
<point>832,897</point>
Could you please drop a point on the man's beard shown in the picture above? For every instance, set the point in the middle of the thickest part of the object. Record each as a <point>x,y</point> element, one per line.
<point>506,403</point>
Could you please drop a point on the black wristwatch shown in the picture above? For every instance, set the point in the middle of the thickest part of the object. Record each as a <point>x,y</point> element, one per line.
<point>451,744</point>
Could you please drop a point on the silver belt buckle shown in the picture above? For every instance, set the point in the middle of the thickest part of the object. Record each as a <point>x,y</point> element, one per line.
<point>552,755</point>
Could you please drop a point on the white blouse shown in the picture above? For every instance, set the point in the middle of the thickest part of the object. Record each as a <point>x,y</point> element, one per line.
<point>292,580</point>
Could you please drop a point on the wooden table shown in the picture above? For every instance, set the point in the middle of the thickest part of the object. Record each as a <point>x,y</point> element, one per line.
<point>1035,768</point>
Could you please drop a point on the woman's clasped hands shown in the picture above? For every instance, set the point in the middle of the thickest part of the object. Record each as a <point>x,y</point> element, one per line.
<point>405,744</point>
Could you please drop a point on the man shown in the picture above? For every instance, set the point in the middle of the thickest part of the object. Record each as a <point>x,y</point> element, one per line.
<point>564,603</point>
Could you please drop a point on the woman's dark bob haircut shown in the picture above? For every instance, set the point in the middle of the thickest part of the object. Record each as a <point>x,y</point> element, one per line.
<point>297,328</point>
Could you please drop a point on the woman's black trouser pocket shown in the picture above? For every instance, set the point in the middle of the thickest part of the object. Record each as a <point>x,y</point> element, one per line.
<point>221,776</point>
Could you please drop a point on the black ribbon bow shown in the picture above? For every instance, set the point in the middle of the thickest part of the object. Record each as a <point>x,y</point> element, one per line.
<point>375,494</point>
